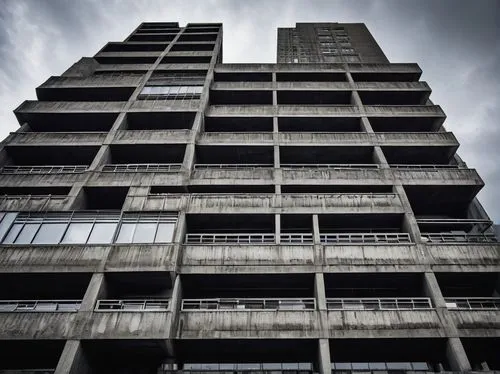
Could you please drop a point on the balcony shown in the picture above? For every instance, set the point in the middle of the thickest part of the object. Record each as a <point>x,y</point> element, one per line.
<point>385,72</point>
<point>393,302</point>
<point>228,306</point>
<point>134,305</point>
<point>30,356</point>
<point>41,306</point>
<point>255,202</point>
<point>282,110</point>
<point>57,138</point>
<point>93,88</point>
<point>33,202</point>
<point>472,301</point>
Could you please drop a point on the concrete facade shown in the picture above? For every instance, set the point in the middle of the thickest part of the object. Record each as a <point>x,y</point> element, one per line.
<point>165,212</point>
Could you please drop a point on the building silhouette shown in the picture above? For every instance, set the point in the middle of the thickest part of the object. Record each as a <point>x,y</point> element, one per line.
<point>164,212</point>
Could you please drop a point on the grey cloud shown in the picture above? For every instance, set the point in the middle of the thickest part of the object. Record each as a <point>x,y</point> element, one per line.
<point>455,42</point>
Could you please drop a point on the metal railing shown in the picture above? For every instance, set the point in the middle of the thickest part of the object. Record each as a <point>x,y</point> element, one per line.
<point>232,166</point>
<point>33,169</point>
<point>148,168</point>
<point>249,304</point>
<point>27,371</point>
<point>132,305</point>
<point>365,238</point>
<point>380,367</point>
<point>40,305</point>
<point>426,166</point>
<point>296,238</point>
<point>232,368</point>
<point>472,303</point>
<point>446,237</point>
<point>371,303</point>
<point>329,166</point>
<point>245,238</point>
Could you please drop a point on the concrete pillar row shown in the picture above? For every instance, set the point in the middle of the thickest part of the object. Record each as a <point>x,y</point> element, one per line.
<point>324,360</point>
<point>316,231</point>
<point>95,291</point>
<point>320,291</point>
<point>410,224</point>
<point>277,228</point>
<point>456,356</point>
<point>72,360</point>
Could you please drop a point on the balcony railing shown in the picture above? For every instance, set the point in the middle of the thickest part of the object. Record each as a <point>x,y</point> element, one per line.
<point>249,304</point>
<point>473,303</point>
<point>147,168</point>
<point>230,238</point>
<point>231,368</point>
<point>369,303</point>
<point>447,237</point>
<point>296,238</point>
<point>232,166</point>
<point>57,169</point>
<point>39,305</point>
<point>426,166</point>
<point>27,371</point>
<point>365,238</point>
<point>330,166</point>
<point>380,367</point>
<point>132,305</point>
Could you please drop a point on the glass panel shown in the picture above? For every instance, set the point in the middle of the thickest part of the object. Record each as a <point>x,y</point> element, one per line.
<point>377,365</point>
<point>77,233</point>
<point>126,233</point>
<point>420,366</point>
<point>102,233</point>
<point>50,233</point>
<point>398,366</point>
<point>144,233</point>
<point>360,366</point>
<point>165,233</point>
<point>7,220</point>
<point>12,235</point>
<point>343,365</point>
<point>46,306</point>
<point>27,233</point>
<point>146,90</point>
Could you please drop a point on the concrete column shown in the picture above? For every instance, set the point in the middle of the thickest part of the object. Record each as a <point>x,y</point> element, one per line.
<point>409,222</point>
<point>72,359</point>
<point>277,228</point>
<point>324,361</point>
<point>457,358</point>
<point>180,228</point>
<point>316,232</point>
<point>432,290</point>
<point>319,291</point>
<point>365,125</point>
<point>102,157</point>
<point>189,157</point>
<point>379,157</point>
<point>95,290</point>
<point>176,300</point>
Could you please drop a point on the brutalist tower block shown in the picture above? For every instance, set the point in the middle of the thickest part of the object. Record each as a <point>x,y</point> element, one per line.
<point>165,212</point>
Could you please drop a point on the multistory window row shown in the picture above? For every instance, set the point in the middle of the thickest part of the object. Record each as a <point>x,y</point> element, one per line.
<point>86,228</point>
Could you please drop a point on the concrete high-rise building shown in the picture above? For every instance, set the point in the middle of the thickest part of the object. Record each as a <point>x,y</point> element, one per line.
<point>164,211</point>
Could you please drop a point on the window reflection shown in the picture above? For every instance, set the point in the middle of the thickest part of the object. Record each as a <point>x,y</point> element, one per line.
<point>77,233</point>
<point>86,227</point>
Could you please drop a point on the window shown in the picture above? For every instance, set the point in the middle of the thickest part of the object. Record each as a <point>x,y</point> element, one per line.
<point>86,228</point>
<point>65,228</point>
<point>146,228</point>
<point>171,92</point>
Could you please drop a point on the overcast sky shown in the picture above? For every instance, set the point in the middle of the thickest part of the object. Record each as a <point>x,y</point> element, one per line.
<point>455,42</point>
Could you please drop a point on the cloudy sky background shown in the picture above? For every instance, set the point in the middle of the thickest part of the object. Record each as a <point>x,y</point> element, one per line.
<point>455,42</point>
